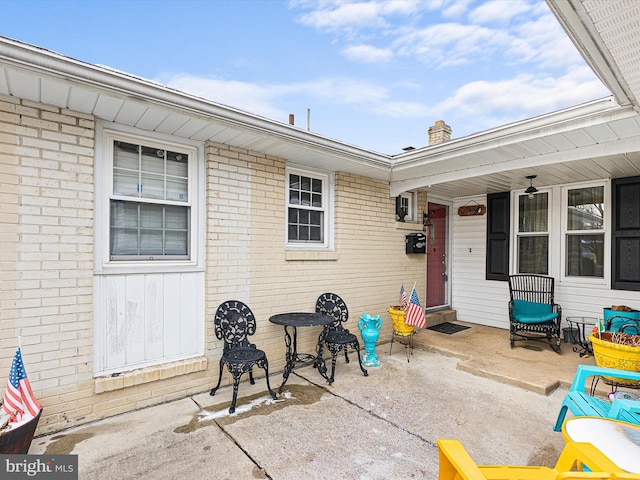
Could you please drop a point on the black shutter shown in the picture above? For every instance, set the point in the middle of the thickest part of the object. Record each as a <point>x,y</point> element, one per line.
<point>625,234</point>
<point>498,232</point>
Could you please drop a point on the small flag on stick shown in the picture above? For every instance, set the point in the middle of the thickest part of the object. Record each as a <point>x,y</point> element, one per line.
<point>403,298</point>
<point>415,314</point>
<point>598,328</point>
<point>18,397</point>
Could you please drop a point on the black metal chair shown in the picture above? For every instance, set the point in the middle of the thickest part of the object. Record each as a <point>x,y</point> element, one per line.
<point>533,313</point>
<point>234,323</point>
<point>335,336</point>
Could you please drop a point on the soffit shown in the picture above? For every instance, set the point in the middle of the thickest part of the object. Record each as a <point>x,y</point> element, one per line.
<point>607,34</point>
<point>590,142</point>
<point>594,141</point>
<point>40,75</point>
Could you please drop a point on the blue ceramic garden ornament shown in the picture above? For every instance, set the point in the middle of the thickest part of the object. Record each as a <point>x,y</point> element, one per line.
<point>369,326</point>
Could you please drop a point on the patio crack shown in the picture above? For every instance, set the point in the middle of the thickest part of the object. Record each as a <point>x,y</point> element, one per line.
<point>258,471</point>
<point>373,414</point>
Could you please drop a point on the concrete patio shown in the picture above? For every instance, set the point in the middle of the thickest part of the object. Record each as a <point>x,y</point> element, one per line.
<point>500,402</point>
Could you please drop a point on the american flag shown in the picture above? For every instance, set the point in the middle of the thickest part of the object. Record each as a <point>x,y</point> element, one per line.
<point>403,297</point>
<point>415,314</point>
<point>18,397</point>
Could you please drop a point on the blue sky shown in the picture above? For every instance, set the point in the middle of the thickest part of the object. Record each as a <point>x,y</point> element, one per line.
<point>375,74</point>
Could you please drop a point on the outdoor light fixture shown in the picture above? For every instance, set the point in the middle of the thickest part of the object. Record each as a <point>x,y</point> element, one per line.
<point>426,221</point>
<point>531,189</point>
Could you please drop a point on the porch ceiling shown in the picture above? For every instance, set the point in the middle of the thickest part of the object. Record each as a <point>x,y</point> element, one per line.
<point>593,141</point>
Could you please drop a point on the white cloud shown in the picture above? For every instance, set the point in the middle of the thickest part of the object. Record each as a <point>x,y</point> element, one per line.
<point>448,44</point>
<point>367,54</point>
<point>522,97</point>
<point>262,99</point>
<point>498,11</point>
<point>455,9</point>
<point>255,99</point>
<point>542,40</point>
<point>352,17</point>
<point>342,16</point>
<point>538,68</point>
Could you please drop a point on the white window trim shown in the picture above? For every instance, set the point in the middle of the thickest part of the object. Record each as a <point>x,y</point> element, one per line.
<point>412,203</point>
<point>105,135</point>
<point>557,229</point>
<point>515,234</point>
<point>605,280</point>
<point>328,193</point>
<point>104,268</point>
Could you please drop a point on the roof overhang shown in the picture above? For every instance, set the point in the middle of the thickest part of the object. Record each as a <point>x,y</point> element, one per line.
<point>607,35</point>
<point>597,140</point>
<point>40,75</point>
<point>556,147</point>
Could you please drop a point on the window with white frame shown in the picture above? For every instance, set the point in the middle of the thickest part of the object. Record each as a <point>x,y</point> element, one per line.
<point>562,232</point>
<point>149,202</point>
<point>532,240</point>
<point>308,208</point>
<point>584,231</point>
<point>408,202</point>
<point>149,276</point>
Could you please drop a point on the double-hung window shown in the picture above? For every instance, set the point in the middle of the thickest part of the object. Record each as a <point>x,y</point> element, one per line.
<point>309,209</point>
<point>584,231</point>
<point>533,234</point>
<point>149,276</point>
<point>570,243</point>
<point>149,203</point>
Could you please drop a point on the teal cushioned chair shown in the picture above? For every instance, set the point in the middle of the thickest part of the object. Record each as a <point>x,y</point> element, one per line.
<point>533,314</point>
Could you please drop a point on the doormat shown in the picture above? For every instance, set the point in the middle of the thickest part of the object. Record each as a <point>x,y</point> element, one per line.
<point>448,328</point>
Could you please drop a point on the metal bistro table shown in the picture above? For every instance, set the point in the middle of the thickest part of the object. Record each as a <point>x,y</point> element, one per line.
<point>291,322</point>
<point>580,328</point>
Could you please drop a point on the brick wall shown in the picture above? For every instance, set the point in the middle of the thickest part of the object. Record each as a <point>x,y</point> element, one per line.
<point>367,269</point>
<point>46,254</point>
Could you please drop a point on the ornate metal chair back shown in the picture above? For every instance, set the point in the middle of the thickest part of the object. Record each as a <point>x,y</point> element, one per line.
<point>234,323</point>
<point>332,305</point>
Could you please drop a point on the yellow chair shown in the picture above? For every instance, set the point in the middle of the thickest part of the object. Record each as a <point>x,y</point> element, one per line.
<point>457,464</point>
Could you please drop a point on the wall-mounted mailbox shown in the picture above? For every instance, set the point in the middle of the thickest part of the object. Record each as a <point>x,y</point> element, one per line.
<point>416,243</point>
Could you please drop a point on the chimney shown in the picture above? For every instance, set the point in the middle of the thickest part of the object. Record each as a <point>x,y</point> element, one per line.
<point>439,133</point>
<point>291,119</point>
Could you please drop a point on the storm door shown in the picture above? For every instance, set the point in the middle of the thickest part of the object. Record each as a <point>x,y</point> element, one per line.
<point>437,256</point>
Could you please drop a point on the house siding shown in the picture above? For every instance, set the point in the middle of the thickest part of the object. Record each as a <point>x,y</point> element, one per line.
<point>47,256</point>
<point>475,299</point>
<point>484,302</point>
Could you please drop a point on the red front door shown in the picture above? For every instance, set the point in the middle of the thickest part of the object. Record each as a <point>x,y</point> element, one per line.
<point>437,255</point>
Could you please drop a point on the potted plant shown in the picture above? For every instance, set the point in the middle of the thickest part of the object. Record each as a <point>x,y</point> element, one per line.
<point>617,350</point>
<point>398,315</point>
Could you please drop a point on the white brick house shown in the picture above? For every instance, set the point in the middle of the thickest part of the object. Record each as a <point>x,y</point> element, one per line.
<point>131,211</point>
<point>101,335</point>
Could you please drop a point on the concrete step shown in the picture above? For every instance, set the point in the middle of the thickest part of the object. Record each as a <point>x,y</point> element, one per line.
<point>441,316</point>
